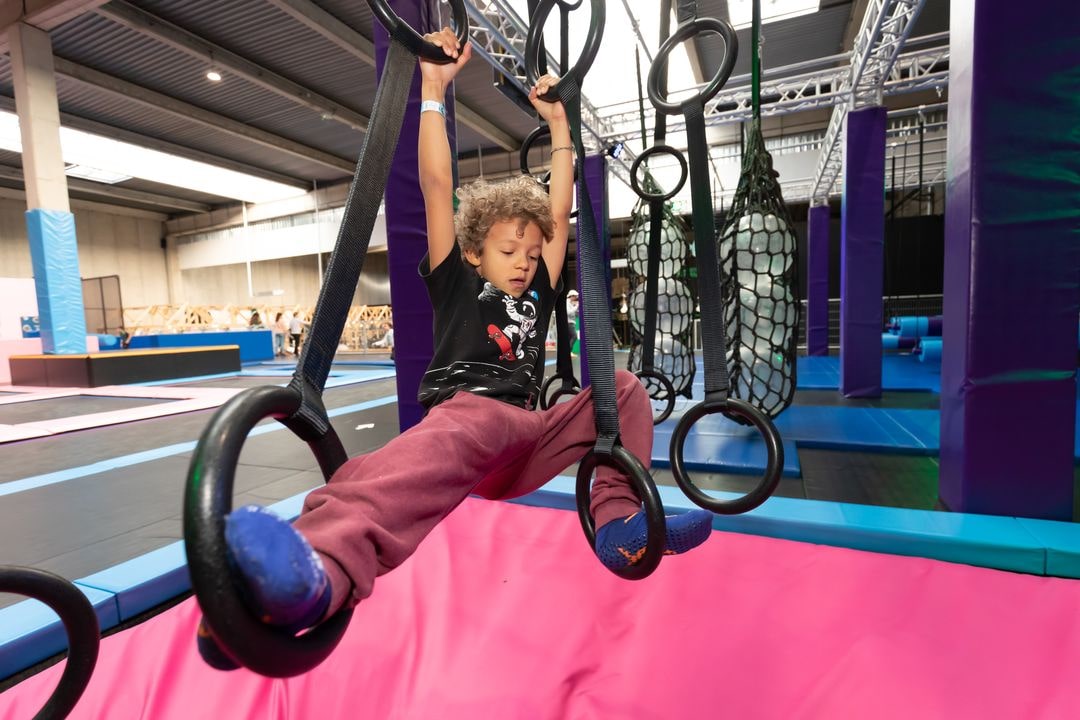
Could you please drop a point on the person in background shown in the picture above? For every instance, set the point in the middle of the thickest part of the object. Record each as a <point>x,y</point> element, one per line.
<point>281,329</point>
<point>256,320</point>
<point>387,340</point>
<point>296,329</point>
<point>571,315</point>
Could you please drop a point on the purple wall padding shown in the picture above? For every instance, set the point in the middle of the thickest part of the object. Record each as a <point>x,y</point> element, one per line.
<point>406,236</point>
<point>862,253</point>
<point>817,281</point>
<point>1012,253</point>
<point>596,184</point>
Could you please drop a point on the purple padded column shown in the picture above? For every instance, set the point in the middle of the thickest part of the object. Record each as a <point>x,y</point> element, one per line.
<point>862,253</point>
<point>596,185</point>
<point>817,281</point>
<point>406,235</point>
<point>1012,253</point>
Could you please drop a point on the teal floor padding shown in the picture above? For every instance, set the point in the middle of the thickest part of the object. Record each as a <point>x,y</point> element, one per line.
<point>833,428</point>
<point>741,455</point>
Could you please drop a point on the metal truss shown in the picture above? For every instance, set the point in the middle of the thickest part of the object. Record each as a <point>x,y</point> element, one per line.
<point>499,36</point>
<point>884,30</point>
<point>914,71</point>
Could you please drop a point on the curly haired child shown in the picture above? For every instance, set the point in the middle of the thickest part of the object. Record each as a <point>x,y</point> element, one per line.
<point>491,273</point>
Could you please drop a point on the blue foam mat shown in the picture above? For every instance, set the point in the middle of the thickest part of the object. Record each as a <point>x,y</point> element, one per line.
<point>898,372</point>
<point>830,427</point>
<point>740,455</point>
<point>1002,543</point>
<point>31,632</point>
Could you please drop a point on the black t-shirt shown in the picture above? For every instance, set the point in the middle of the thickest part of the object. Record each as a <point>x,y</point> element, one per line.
<point>486,341</point>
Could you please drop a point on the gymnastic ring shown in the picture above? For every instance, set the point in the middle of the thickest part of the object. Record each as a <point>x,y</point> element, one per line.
<point>623,459</point>
<point>588,52</point>
<point>570,386</point>
<point>523,157</point>
<point>80,623</point>
<point>668,388</point>
<point>682,33</point>
<point>773,467</point>
<point>412,40</point>
<point>657,150</point>
<point>262,648</point>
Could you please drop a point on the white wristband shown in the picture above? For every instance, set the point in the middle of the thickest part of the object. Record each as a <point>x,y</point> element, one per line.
<point>433,106</point>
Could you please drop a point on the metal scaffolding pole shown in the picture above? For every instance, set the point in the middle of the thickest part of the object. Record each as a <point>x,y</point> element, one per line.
<point>885,28</point>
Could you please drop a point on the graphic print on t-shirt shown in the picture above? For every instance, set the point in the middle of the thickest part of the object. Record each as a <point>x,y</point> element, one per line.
<point>495,349</point>
<point>520,323</point>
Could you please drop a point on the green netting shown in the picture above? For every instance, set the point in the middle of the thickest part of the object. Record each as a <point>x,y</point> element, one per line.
<point>759,267</point>
<point>672,343</point>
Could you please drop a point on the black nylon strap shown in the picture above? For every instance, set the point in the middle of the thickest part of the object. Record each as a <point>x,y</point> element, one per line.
<point>361,211</point>
<point>564,364</point>
<point>660,127</point>
<point>652,284</point>
<point>713,333</point>
<point>594,302</point>
<point>687,11</point>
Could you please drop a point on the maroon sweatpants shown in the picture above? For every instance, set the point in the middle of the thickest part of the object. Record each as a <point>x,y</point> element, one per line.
<point>377,508</point>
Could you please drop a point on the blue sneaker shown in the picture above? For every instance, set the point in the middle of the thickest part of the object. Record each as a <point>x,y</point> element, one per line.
<point>281,578</point>
<point>621,543</point>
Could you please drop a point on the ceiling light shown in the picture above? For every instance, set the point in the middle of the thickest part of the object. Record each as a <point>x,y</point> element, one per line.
<point>121,158</point>
<point>213,76</point>
<point>96,174</point>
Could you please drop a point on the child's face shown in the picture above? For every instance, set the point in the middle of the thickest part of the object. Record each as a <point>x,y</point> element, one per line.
<point>510,256</point>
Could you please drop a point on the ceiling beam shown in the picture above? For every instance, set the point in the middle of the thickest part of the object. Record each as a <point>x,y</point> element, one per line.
<point>114,132</point>
<point>216,56</point>
<point>114,192</point>
<point>194,113</point>
<point>348,39</point>
<point>9,193</point>
<point>42,14</point>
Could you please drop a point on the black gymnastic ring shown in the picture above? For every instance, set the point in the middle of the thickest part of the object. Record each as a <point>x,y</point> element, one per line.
<point>682,33</point>
<point>80,623</point>
<point>656,150</point>
<point>570,386</point>
<point>412,40</point>
<point>773,467</point>
<point>523,158</point>
<point>668,388</point>
<point>643,484</point>
<point>588,52</point>
<point>262,648</point>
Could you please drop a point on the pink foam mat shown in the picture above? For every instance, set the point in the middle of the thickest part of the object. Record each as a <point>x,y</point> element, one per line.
<point>505,613</point>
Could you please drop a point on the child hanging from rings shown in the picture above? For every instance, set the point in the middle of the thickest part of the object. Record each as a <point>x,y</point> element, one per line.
<point>491,273</point>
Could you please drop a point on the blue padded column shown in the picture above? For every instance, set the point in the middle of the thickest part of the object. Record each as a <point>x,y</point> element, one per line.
<point>596,185</point>
<point>406,232</point>
<point>862,253</point>
<point>817,281</point>
<point>1012,254</point>
<point>54,255</point>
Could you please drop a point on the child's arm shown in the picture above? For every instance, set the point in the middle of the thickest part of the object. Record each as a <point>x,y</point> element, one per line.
<point>561,184</point>
<point>436,173</point>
